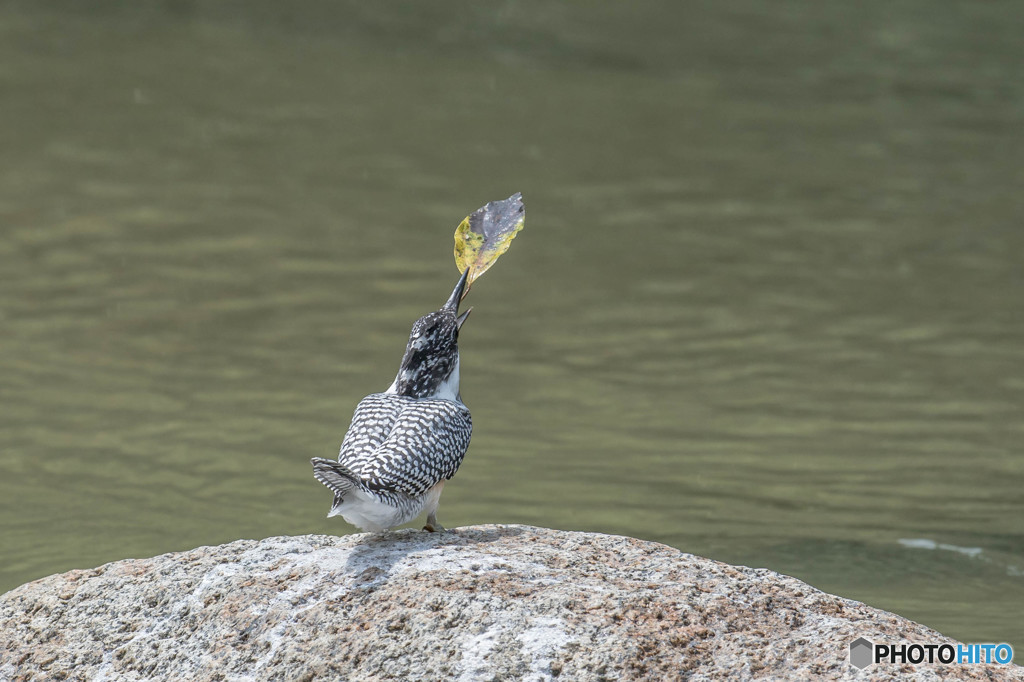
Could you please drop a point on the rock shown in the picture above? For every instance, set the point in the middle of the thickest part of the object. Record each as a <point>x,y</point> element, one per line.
<point>475,603</point>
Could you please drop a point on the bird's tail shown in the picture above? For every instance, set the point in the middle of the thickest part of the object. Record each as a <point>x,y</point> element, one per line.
<point>337,477</point>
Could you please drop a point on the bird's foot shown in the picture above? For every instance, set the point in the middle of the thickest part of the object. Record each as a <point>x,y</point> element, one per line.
<point>432,525</point>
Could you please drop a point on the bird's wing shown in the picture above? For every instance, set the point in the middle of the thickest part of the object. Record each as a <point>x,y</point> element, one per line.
<point>373,420</point>
<point>425,444</point>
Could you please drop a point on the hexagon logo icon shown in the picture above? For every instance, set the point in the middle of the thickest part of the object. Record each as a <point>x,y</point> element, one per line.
<point>860,653</point>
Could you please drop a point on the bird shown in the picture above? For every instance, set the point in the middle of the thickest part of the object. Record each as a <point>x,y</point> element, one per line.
<point>405,443</point>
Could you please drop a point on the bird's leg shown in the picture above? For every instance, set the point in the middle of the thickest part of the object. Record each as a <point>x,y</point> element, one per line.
<point>433,499</point>
<point>432,525</point>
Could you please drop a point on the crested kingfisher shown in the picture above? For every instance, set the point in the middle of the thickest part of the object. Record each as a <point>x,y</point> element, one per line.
<point>405,443</point>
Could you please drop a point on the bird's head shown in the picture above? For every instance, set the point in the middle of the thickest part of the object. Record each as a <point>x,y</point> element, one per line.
<point>430,366</point>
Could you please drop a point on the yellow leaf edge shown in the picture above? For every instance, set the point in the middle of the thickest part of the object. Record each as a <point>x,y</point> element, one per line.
<point>470,254</point>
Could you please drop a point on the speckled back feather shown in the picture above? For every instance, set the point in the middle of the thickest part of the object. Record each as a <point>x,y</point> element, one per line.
<point>403,445</point>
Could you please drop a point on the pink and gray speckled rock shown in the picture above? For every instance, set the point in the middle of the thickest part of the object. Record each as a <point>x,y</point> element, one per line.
<point>476,603</point>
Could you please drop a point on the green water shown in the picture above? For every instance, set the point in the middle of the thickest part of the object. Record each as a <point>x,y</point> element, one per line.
<point>768,306</point>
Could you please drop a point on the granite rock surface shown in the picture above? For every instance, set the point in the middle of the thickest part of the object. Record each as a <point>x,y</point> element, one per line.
<point>474,603</point>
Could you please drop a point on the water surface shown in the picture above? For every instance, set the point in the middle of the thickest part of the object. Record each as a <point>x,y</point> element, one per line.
<point>766,308</point>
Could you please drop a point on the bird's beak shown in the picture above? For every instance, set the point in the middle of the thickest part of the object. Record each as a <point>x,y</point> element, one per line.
<point>462,318</point>
<point>453,300</point>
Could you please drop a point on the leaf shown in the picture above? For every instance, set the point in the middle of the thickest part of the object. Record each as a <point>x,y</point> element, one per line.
<point>485,234</point>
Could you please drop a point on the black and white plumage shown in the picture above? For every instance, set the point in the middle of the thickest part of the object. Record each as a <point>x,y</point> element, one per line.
<point>403,444</point>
